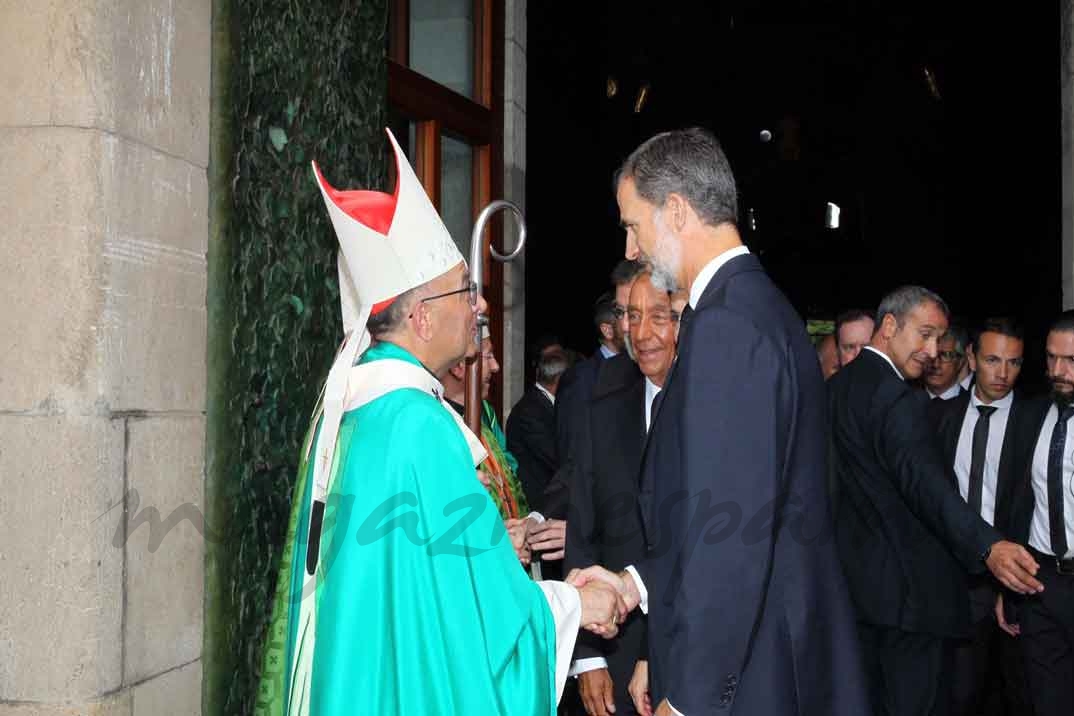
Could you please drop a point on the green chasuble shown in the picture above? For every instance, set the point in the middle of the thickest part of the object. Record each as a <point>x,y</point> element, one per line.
<point>422,606</point>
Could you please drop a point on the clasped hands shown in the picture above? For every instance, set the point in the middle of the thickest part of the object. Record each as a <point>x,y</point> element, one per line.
<point>607,598</point>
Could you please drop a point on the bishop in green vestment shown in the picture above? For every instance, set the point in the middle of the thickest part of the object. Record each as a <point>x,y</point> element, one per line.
<point>399,591</point>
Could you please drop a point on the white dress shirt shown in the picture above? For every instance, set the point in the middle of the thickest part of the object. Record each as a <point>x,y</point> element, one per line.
<point>598,662</point>
<point>1040,533</point>
<point>997,427</point>
<point>548,394</point>
<point>607,352</point>
<point>967,381</point>
<point>651,391</point>
<point>886,357</point>
<point>697,288</point>
<point>953,392</point>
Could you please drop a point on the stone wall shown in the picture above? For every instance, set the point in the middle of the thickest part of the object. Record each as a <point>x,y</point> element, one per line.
<point>514,183</point>
<point>104,112</point>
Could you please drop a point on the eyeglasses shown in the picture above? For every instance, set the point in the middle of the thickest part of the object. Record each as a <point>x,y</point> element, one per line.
<point>658,318</point>
<point>471,287</point>
<point>948,356</point>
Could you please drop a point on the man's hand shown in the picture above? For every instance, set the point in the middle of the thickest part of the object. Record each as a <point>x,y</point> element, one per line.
<point>1014,567</point>
<point>518,531</point>
<point>639,688</point>
<point>602,609</point>
<point>549,537</point>
<point>1001,618</point>
<point>622,583</point>
<point>595,688</point>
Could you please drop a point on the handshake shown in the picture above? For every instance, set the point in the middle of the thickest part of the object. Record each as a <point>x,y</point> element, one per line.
<point>607,598</point>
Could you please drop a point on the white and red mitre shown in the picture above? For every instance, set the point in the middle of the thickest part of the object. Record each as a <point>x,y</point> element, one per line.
<point>389,243</point>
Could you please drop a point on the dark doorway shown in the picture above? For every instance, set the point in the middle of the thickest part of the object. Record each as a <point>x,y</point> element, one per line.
<point>934,127</point>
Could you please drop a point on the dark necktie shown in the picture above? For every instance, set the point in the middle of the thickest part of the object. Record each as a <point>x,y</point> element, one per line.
<point>686,315</point>
<point>655,407</point>
<point>1055,483</point>
<point>977,459</point>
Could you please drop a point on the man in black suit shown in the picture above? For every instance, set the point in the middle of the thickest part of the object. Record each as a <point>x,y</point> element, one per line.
<point>747,610</point>
<point>941,379</point>
<point>609,319</point>
<point>605,525</point>
<point>905,536</point>
<point>984,436</point>
<point>531,428</point>
<point>1043,519</point>
<point>576,387</point>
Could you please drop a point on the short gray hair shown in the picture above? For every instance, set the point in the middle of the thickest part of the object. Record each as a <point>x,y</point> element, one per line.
<point>550,366</point>
<point>688,162</point>
<point>391,319</point>
<point>900,302</point>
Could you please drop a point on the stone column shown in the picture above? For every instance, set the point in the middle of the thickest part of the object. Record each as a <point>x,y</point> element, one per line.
<point>514,183</point>
<point>1066,91</point>
<point>104,113</point>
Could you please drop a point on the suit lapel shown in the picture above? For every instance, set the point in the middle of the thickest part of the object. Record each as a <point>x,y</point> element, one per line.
<point>1005,477</point>
<point>951,430</point>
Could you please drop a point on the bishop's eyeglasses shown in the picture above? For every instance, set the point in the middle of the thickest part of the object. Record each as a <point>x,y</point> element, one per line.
<point>471,288</point>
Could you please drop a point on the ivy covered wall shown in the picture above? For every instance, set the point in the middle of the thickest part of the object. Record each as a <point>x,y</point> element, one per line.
<point>292,81</point>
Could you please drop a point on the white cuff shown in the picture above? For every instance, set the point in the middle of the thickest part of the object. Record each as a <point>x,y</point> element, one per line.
<point>642,591</point>
<point>565,603</point>
<point>593,663</point>
<point>675,710</point>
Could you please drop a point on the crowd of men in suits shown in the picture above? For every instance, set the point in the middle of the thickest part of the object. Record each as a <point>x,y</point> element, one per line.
<point>963,425</point>
<point>896,540</point>
<point>941,421</point>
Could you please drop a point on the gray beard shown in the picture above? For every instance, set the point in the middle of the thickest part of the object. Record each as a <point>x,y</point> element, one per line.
<point>663,279</point>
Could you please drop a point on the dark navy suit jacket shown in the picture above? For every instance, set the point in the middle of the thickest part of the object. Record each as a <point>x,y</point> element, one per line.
<point>748,609</point>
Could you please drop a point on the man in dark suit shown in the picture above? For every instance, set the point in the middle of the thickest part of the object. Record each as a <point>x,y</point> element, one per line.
<point>531,438</point>
<point>747,610</point>
<point>905,536</point>
<point>576,387</point>
<point>984,436</point>
<point>605,525</point>
<point>531,428</point>
<point>941,378</point>
<point>1043,518</point>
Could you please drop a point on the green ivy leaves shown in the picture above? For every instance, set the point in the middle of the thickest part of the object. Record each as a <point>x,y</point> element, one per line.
<point>309,81</point>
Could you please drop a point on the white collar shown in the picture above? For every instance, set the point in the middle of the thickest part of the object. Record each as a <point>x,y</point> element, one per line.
<point>952,392</point>
<point>651,388</point>
<point>1003,403</point>
<point>607,352</point>
<point>548,394</point>
<point>702,281</point>
<point>886,357</point>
